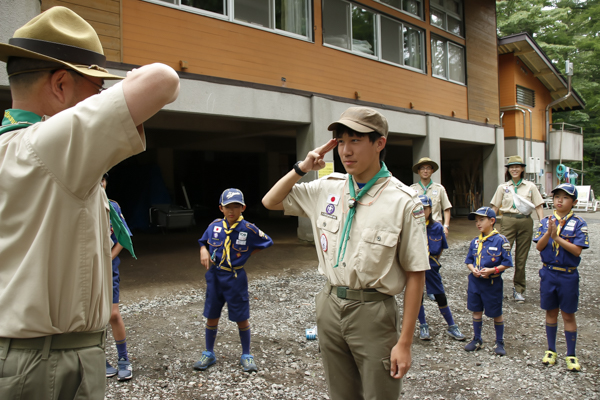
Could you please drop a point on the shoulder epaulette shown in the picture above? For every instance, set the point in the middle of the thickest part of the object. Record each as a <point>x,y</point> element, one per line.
<point>579,218</point>
<point>252,227</point>
<point>336,175</point>
<point>217,220</point>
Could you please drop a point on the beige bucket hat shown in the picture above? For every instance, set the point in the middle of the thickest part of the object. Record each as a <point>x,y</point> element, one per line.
<point>515,160</point>
<point>59,35</point>
<point>425,161</point>
<point>363,120</point>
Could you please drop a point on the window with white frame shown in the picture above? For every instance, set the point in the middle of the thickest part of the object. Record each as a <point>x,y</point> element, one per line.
<point>283,16</point>
<point>447,15</point>
<point>366,32</point>
<point>447,60</point>
<point>414,7</point>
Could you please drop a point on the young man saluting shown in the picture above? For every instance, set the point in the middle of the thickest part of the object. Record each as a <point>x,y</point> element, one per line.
<point>370,235</point>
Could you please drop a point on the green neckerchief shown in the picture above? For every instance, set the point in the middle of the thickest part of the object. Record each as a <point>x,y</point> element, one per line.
<point>353,203</point>
<point>425,188</point>
<point>516,187</point>
<point>120,231</point>
<point>18,119</point>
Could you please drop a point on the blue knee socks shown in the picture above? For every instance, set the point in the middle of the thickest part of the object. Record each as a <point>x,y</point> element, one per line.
<point>122,348</point>
<point>210,336</point>
<point>422,315</point>
<point>551,330</point>
<point>447,315</point>
<point>245,339</point>
<point>499,327</point>
<point>571,342</point>
<point>477,323</point>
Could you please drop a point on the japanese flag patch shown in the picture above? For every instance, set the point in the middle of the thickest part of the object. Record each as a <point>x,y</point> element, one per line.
<point>217,229</point>
<point>333,199</point>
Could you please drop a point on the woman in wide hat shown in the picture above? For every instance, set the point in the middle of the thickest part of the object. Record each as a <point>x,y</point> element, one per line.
<point>515,200</point>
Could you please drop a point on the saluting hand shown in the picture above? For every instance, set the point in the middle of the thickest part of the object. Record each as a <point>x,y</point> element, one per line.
<point>314,159</point>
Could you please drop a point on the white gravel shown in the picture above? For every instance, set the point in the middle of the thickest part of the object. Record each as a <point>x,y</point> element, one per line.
<point>166,336</point>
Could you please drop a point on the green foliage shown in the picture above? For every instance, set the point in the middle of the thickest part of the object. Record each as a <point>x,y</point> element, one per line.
<point>566,30</point>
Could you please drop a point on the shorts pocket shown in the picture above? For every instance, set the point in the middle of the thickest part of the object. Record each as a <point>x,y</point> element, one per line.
<point>11,388</point>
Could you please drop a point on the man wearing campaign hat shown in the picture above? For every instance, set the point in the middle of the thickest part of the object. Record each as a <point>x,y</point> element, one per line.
<point>370,236</point>
<point>56,141</point>
<point>436,192</point>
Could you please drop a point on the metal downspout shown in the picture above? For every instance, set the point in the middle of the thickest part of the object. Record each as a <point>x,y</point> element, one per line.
<point>565,97</point>
<point>517,107</point>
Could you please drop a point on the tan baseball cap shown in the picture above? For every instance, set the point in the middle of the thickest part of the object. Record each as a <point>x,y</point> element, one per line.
<point>363,120</point>
<point>59,35</point>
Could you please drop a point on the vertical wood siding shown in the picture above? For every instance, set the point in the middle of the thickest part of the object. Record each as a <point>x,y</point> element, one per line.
<point>482,60</point>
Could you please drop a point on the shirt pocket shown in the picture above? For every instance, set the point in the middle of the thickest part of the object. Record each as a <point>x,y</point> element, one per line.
<point>329,228</point>
<point>378,249</point>
<point>215,242</point>
<point>493,257</point>
<point>507,199</point>
<point>435,244</point>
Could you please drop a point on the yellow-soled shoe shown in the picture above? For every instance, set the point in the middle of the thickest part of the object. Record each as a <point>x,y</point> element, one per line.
<point>573,364</point>
<point>549,357</point>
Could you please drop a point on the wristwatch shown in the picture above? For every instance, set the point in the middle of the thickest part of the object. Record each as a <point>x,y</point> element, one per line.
<point>298,170</point>
<point>447,226</point>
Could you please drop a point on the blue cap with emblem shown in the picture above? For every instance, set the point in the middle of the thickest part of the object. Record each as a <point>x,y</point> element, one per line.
<point>484,212</point>
<point>425,200</point>
<point>569,188</point>
<point>232,196</point>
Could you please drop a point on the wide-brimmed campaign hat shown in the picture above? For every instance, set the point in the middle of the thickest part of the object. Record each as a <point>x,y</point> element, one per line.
<point>59,35</point>
<point>363,120</point>
<point>425,161</point>
<point>515,160</point>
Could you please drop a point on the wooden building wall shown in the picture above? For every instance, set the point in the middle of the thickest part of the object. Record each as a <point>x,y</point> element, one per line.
<point>223,49</point>
<point>482,61</point>
<point>103,15</point>
<point>514,72</point>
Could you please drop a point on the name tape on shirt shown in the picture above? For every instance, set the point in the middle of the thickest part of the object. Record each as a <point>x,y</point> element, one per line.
<point>493,248</point>
<point>240,242</point>
<point>333,199</point>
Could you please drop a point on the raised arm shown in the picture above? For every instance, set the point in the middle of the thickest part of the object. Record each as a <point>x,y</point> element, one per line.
<point>148,89</point>
<point>273,200</point>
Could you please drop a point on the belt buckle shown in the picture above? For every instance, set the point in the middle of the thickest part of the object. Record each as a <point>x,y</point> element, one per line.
<point>342,291</point>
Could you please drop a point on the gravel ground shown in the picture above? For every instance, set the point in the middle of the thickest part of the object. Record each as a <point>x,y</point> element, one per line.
<point>166,336</point>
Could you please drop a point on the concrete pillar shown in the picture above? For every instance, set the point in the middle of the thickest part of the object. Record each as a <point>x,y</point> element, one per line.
<point>323,112</point>
<point>493,166</point>
<point>429,146</point>
<point>13,15</point>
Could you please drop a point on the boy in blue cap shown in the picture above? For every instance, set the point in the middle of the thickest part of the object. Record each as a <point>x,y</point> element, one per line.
<point>436,243</point>
<point>560,240</point>
<point>489,255</point>
<point>224,249</point>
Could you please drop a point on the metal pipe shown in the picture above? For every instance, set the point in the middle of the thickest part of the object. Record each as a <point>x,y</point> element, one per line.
<point>565,97</point>
<point>517,107</point>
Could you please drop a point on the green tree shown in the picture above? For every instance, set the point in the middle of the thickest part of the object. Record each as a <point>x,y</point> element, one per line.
<point>566,30</point>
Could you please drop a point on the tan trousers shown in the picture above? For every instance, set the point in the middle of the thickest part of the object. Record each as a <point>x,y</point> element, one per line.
<point>78,374</point>
<point>356,340</point>
<point>519,230</point>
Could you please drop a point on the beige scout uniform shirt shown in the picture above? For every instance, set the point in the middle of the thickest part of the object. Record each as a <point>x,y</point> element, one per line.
<point>503,198</point>
<point>387,237</point>
<point>439,199</point>
<point>55,263</point>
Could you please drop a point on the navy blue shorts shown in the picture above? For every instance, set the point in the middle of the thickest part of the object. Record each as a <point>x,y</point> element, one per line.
<point>433,280</point>
<point>559,289</point>
<point>485,295</point>
<point>116,279</point>
<point>223,287</point>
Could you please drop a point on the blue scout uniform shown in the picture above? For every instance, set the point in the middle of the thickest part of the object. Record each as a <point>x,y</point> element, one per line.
<point>436,240</point>
<point>228,282</point>
<point>117,261</point>
<point>559,284</point>
<point>486,293</point>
